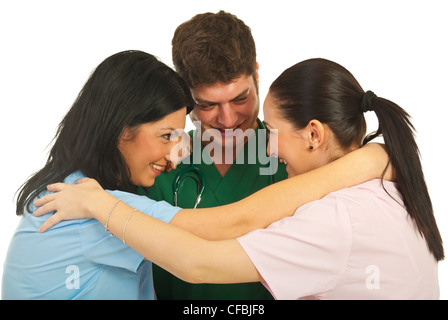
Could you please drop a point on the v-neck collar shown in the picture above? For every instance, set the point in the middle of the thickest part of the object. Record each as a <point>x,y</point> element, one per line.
<point>235,168</point>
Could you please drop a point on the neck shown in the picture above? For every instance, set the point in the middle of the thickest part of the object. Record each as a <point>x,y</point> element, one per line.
<point>222,168</point>
<point>339,152</point>
<point>223,155</point>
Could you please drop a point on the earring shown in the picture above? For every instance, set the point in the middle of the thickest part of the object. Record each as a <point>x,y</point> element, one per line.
<point>311,147</point>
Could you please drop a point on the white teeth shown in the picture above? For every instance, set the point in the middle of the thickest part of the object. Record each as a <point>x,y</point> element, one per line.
<point>283,161</point>
<point>234,128</point>
<point>157,167</point>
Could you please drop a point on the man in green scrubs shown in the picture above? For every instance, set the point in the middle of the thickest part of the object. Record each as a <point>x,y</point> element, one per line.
<point>215,54</point>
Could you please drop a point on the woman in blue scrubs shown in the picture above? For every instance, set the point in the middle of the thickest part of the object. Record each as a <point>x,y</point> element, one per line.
<point>131,96</point>
<point>118,132</point>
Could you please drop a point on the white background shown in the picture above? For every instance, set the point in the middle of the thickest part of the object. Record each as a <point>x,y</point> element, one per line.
<point>398,49</point>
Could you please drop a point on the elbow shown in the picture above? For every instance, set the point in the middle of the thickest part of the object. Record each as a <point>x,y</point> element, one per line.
<point>195,279</point>
<point>191,267</point>
<point>193,274</point>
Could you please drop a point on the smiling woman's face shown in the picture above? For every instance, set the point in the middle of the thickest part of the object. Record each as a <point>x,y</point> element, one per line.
<point>293,144</point>
<point>147,149</point>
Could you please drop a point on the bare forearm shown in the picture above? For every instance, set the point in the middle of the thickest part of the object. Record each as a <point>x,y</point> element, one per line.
<point>185,255</point>
<point>283,198</point>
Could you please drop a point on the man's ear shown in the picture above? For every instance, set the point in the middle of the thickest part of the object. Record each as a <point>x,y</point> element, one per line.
<point>256,75</point>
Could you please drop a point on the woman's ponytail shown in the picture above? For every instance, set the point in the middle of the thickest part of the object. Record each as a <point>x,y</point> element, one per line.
<point>398,132</point>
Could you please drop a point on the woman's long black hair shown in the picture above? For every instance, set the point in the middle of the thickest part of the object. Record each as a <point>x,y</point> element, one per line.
<point>323,90</point>
<point>126,90</point>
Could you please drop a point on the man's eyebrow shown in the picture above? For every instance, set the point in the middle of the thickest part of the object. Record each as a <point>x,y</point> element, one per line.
<point>242,94</point>
<point>239,96</point>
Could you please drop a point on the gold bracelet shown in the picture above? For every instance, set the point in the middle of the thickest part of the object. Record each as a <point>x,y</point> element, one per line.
<point>106,225</point>
<point>126,224</point>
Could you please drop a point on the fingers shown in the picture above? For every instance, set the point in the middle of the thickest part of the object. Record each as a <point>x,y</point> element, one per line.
<point>56,187</point>
<point>44,200</point>
<point>54,219</point>
<point>83,180</point>
<point>46,204</point>
<point>44,209</point>
<point>60,202</point>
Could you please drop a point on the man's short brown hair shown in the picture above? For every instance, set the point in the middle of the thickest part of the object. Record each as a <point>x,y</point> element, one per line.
<point>213,47</point>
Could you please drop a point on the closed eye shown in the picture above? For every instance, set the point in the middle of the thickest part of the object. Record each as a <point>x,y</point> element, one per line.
<point>205,106</point>
<point>240,100</point>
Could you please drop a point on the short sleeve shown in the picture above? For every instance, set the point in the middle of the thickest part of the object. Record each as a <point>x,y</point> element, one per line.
<point>102,248</point>
<point>303,255</point>
<point>158,209</point>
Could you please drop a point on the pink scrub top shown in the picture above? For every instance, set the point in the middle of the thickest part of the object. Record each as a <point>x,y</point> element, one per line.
<point>356,243</point>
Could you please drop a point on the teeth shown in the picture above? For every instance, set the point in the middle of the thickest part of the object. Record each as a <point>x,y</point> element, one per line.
<point>228,129</point>
<point>157,167</point>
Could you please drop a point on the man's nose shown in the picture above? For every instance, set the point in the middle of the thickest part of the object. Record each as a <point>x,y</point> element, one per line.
<point>227,117</point>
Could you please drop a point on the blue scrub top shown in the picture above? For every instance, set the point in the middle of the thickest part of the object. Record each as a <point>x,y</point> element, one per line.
<point>78,259</point>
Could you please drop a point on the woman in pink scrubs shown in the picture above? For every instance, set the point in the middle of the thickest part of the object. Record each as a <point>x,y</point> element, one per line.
<point>376,240</point>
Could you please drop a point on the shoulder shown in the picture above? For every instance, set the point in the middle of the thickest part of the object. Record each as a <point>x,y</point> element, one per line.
<point>360,205</point>
<point>366,194</point>
<point>323,223</point>
<point>70,179</point>
<point>332,216</point>
<point>74,176</point>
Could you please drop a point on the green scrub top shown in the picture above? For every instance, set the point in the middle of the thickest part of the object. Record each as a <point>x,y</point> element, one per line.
<point>240,181</point>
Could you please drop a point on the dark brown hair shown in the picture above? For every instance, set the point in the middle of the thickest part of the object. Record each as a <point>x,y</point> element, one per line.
<point>213,47</point>
<point>126,90</point>
<point>323,90</point>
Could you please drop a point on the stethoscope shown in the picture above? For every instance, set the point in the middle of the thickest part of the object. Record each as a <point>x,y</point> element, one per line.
<point>199,177</point>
